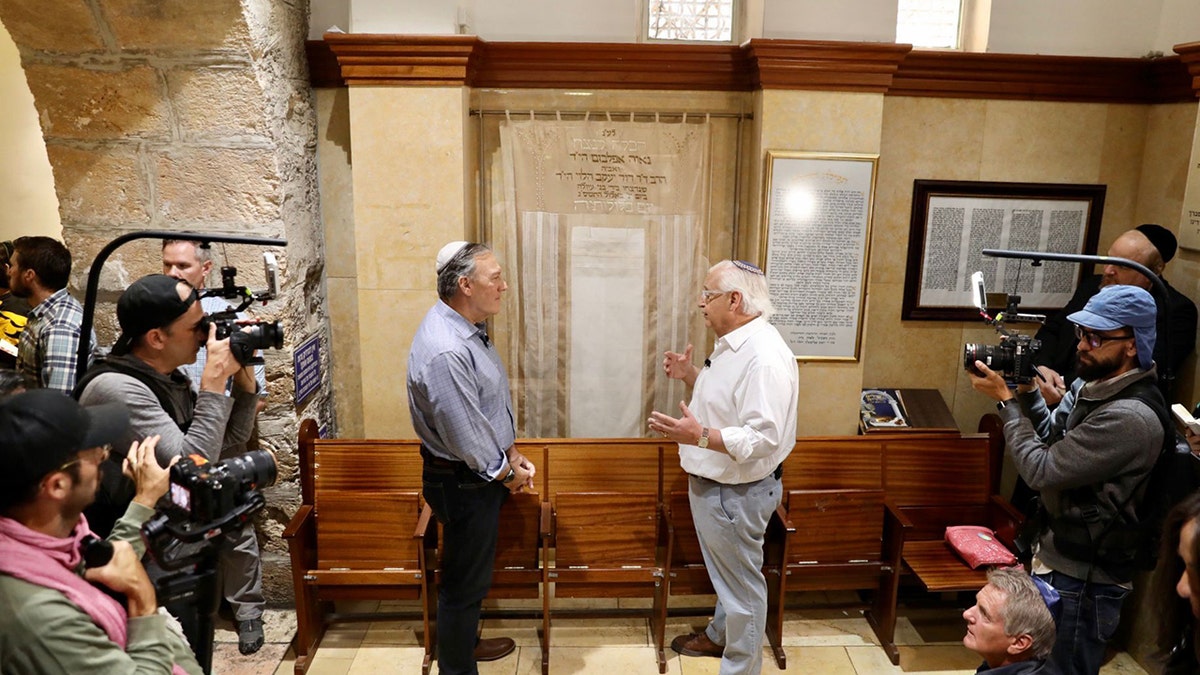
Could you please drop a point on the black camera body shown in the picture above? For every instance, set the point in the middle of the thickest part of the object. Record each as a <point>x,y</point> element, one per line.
<point>207,500</point>
<point>244,337</point>
<point>1012,358</point>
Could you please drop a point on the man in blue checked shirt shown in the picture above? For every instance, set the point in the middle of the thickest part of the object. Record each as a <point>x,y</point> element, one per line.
<point>461,409</point>
<point>38,271</point>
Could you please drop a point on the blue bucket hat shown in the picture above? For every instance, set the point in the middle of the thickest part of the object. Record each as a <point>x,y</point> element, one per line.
<point>1119,306</point>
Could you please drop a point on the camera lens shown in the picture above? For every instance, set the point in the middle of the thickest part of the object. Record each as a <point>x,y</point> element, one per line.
<point>256,469</point>
<point>993,356</point>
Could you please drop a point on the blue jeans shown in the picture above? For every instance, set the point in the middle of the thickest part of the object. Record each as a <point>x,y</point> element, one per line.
<point>468,507</point>
<point>1090,615</point>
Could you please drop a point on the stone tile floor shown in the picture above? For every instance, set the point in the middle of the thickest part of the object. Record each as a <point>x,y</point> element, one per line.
<point>817,640</point>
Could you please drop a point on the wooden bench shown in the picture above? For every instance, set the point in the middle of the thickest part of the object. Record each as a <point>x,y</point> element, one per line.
<point>939,483</point>
<point>361,533</point>
<point>604,520</point>
<point>609,519</point>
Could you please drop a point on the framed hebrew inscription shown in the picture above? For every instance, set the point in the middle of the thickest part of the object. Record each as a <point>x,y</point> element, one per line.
<point>817,218</point>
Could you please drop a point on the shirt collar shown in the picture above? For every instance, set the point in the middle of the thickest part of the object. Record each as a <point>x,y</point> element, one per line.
<point>458,323</point>
<point>738,336</point>
<point>48,304</point>
<point>1102,389</point>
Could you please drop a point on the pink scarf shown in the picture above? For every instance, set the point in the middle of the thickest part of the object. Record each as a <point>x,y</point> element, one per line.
<point>51,562</point>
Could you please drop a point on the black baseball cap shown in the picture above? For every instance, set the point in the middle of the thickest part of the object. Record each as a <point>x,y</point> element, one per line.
<point>43,428</point>
<point>151,302</point>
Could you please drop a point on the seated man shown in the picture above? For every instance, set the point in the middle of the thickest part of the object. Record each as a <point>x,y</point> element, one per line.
<point>1010,625</point>
<point>54,617</point>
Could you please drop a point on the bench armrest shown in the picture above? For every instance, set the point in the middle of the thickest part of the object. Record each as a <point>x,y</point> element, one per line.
<point>782,514</point>
<point>423,522</point>
<point>303,520</point>
<point>895,527</point>
<point>546,524</point>
<point>1004,519</point>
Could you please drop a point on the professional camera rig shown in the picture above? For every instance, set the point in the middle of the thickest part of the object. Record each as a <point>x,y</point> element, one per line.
<point>245,337</point>
<point>1013,356</point>
<point>207,502</point>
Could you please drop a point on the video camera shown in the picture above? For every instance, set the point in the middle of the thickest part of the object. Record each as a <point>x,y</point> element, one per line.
<point>1013,357</point>
<point>260,334</point>
<point>206,502</point>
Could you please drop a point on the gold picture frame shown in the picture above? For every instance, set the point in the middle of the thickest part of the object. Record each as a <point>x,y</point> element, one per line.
<point>817,209</point>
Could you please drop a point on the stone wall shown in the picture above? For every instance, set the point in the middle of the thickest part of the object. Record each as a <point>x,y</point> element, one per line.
<point>198,116</point>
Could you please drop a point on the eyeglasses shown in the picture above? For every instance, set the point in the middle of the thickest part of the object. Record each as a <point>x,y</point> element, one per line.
<point>104,451</point>
<point>1097,341</point>
<point>706,296</point>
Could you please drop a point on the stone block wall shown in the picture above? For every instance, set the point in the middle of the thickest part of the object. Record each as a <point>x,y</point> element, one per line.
<point>196,116</point>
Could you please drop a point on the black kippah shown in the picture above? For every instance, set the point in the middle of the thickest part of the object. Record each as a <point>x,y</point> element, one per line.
<point>1162,238</point>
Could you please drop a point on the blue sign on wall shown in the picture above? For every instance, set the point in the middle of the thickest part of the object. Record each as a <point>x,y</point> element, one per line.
<point>307,373</point>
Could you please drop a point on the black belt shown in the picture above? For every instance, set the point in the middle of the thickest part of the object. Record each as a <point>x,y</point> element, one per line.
<point>434,460</point>
<point>779,472</point>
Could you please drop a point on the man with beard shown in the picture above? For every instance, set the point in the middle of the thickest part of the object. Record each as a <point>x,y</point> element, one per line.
<point>1090,460</point>
<point>1153,246</point>
<point>54,617</point>
<point>38,271</point>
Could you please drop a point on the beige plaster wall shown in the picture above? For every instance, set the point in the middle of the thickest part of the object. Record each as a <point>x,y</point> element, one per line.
<point>26,182</point>
<point>830,122</point>
<point>949,139</point>
<point>1164,173</point>
<point>341,259</point>
<point>408,181</point>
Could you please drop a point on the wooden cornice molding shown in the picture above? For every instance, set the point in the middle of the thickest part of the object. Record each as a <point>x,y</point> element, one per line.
<point>1036,77</point>
<point>610,66</point>
<point>411,60</point>
<point>825,65</point>
<point>1189,55</point>
<point>463,60</point>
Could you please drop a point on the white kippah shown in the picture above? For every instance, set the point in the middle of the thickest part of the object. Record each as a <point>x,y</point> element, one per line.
<point>447,253</point>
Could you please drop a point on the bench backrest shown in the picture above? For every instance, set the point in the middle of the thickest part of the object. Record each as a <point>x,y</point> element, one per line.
<point>357,529</point>
<point>601,465</point>
<point>835,526</point>
<point>605,529</point>
<point>953,470</point>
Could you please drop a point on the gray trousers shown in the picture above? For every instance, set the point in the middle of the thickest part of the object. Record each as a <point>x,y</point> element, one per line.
<point>731,521</point>
<point>240,567</point>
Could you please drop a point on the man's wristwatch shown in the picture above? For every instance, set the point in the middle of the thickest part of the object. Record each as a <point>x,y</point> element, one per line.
<point>703,442</point>
<point>1001,405</point>
<point>512,473</point>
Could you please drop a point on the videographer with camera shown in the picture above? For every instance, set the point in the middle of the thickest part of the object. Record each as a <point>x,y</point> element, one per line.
<point>162,327</point>
<point>1091,461</point>
<point>54,616</point>
<point>240,560</point>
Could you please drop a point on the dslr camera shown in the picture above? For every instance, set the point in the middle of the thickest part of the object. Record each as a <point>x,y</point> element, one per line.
<point>205,502</point>
<point>244,338</point>
<point>1013,356</point>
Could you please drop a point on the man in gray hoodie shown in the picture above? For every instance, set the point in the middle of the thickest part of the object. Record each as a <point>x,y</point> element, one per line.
<point>162,328</point>
<point>1090,462</point>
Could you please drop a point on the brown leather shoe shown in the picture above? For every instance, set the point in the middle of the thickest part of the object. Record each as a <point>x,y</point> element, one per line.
<point>494,648</point>
<point>697,644</point>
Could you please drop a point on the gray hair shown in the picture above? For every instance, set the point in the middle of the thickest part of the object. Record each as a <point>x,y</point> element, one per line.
<point>203,253</point>
<point>461,265</point>
<point>750,282</point>
<point>1024,612</point>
